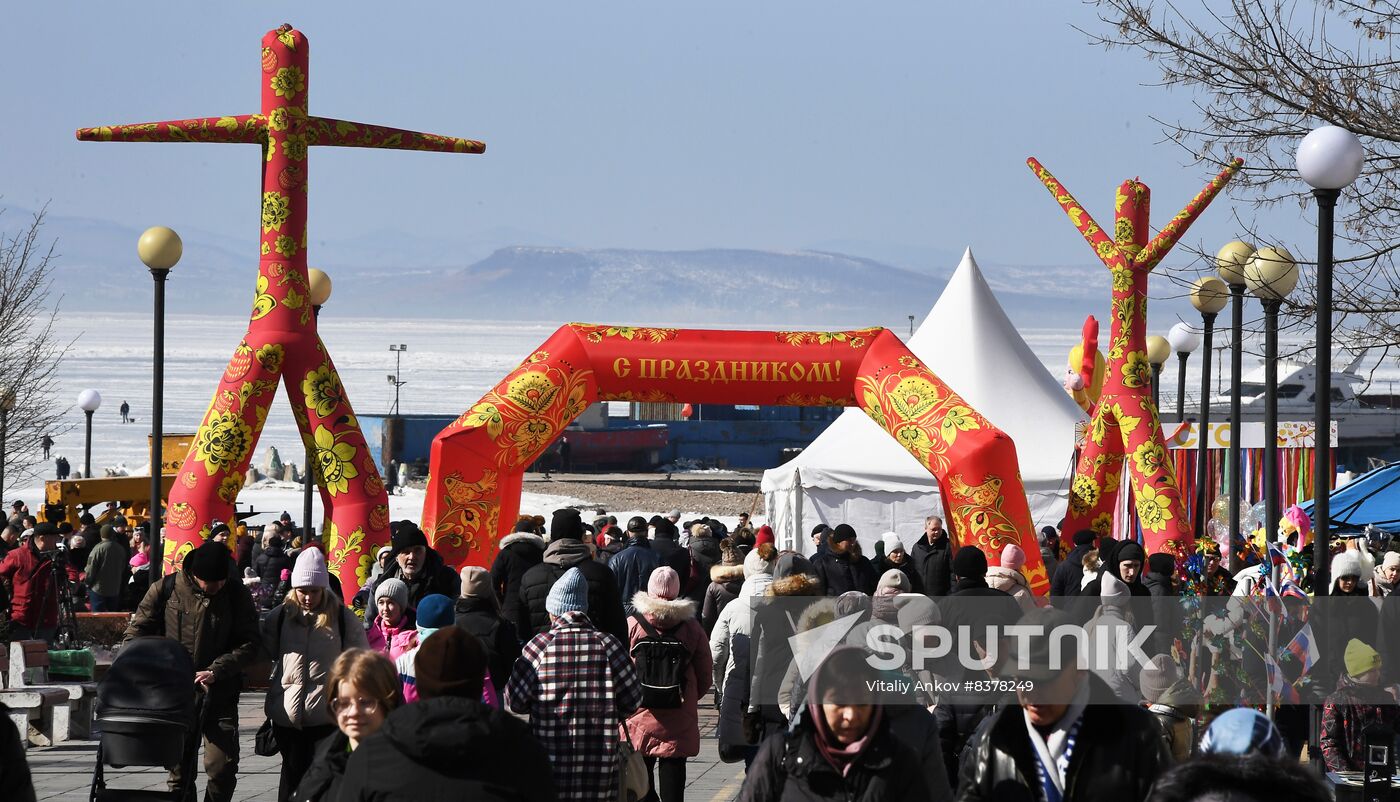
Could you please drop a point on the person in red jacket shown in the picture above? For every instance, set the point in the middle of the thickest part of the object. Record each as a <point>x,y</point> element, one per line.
<point>34,603</point>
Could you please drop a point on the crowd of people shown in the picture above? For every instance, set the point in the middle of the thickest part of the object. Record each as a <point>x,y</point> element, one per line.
<point>577,665</point>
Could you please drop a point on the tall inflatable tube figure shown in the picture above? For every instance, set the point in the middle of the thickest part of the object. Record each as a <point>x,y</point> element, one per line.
<point>479,460</point>
<point>281,342</point>
<point>1124,425</point>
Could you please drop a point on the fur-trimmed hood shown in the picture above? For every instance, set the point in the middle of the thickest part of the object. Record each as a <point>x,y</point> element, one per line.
<point>819,613</point>
<point>663,612</point>
<point>724,574</point>
<point>521,537</point>
<point>796,585</point>
<point>1006,579</point>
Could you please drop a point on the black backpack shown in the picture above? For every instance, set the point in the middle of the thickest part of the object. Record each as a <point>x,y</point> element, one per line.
<point>661,661</point>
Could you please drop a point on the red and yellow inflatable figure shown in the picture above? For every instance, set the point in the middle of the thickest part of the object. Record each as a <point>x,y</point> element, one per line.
<point>281,342</point>
<point>1124,426</point>
<point>478,461</point>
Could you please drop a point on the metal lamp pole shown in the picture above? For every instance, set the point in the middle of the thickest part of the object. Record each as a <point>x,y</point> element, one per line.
<point>320,292</point>
<point>1208,295</point>
<point>1158,349</point>
<point>160,249</point>
<point>1230,263</point>
<point>1329,159</point>
<point>1183,339</point>
<point>88,401</point>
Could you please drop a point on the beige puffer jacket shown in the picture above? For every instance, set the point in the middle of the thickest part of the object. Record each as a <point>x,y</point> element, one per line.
<point>302,656</point>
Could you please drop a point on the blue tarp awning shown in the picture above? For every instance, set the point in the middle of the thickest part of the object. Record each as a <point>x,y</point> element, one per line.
<point>1372,498</point>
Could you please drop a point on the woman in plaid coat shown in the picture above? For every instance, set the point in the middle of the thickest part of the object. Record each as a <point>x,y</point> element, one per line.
<point>576,684</point>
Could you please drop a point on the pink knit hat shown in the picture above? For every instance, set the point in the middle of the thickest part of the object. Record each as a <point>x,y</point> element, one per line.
<point>664,583</point>
<point>1012,557</point>
<point>310,570</point>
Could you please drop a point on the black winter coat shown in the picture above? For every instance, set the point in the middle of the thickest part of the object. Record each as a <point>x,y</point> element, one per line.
<point>604,603</point>
<point>321,782</point>
<point>935,565</point>
<point>435,577</point>
<point>1070,572</point>
<point>633,566</point>
<point>841,573</point>
<point>789,768</point>
<point>672,553</point>
<point>909,568</point>
<point>975,605</point>
<point>449,748</point>
<point>519,553</point>
<point>270,564</point>
<point>1119,753</point>
<point>497,636</point>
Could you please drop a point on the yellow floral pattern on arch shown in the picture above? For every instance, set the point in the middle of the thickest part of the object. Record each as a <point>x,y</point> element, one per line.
<point>1154,509</point>
<point>334,462</point>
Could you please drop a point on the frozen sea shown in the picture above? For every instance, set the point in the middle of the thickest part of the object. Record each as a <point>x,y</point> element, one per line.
<point>448,365</point>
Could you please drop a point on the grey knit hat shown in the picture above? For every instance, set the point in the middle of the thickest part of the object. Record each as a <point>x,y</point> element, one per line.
<point>569,594</point>
<point>393,588</point>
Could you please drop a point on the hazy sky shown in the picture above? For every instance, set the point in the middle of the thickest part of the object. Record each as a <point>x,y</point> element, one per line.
<point>616,124</point>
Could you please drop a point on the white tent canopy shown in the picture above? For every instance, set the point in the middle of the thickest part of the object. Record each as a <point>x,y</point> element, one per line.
<point>856,473</point>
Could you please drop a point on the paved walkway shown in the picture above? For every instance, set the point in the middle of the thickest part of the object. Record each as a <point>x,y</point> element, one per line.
<point>64,772</point>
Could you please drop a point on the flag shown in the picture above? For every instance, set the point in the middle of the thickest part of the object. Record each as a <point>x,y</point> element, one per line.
<point>1278,684</point>
<point>1304,647</point>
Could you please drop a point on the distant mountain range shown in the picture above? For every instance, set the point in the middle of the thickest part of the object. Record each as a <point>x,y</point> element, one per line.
<point>389,274</point>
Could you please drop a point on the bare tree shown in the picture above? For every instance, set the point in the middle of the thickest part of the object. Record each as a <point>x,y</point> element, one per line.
<point>31,349</point>
<point>1265,72</point>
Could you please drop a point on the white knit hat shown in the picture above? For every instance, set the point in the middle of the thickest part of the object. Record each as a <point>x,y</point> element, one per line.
<point>310,570</point>
<point>892,542</point>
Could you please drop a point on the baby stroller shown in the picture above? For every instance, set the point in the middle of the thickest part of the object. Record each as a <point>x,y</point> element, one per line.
<point>148,715</point>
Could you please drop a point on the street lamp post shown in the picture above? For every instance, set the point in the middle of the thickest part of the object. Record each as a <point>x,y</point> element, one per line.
<point>88,402</point>
<point>1230,262</point>
<point>1272,275</point>
<point>1183,340</point>
<point>160,249</point>
<point>1329,159</point>
<point>320,292</point>
<point>1158,349</point>
<point>911,325</point>
<point>397,378</point>
<point>1209,295</point>
<point>7,403</point>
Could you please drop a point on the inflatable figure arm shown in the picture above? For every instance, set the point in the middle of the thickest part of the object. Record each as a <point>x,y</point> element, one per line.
<point>1148,257</point>
<point>1093,233</point>
<point>326,131</point>
<point>247,129</point>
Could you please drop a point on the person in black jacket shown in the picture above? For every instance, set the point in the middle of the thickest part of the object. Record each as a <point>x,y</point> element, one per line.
<point>271,563</point>
<point>839,569</point>
<point>519,552</point>
<point>1070,572</point>
<point>478,612</point>
<point>567,550</point>
<point>895,557</point>
<point>933,554</point>
<point>665,541</point>
<point>14,769</point>
<point>449,745</point>
<point>704,555</point>
<point>973,604</point>
<point>1113,751</point>
<point>839,745</point>
<point>418,565</point>
<point>1124,560</point>
<point>633,565</point>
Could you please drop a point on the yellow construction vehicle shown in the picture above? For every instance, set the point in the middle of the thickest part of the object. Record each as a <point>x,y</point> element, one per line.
<point>68,499</point>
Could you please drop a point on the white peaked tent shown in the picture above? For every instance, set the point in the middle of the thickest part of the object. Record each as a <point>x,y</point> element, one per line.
<point>856,473</point>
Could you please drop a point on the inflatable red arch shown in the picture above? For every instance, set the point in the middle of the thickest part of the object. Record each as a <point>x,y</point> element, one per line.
<point>478,461</point>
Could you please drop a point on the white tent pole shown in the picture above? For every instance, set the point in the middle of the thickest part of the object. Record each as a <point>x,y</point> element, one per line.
<point>794,531</point>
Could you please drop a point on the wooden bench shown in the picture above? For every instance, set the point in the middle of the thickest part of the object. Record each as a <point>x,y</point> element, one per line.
<point>29,671</point>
